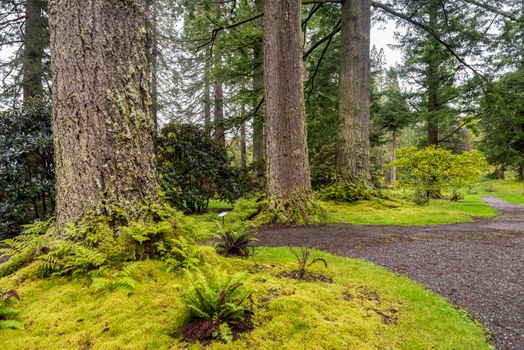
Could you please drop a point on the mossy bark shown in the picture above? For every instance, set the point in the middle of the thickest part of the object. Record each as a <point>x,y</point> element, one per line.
<point>287,165</point>
<point>352,152</point>
<point>102,123</point>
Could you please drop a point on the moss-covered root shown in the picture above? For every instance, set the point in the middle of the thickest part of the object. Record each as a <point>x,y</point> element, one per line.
<point>298,209</point>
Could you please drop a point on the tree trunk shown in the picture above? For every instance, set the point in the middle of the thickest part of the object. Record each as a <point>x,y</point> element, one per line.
<point>219,112</point>
<point>102,123</point>
<point>433,82</point>
<point>258,85</point>
<point>243,157</point>
<point>352,152</point>
<point>393,169</point>
<point>287,166</point>
<point>207,95</point>
<point>152,57</point>
<point>34,42</point>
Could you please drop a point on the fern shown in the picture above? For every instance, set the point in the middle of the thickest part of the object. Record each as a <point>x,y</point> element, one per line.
<point>304,262</point>
<point>216,295</point>
<point>115,281</point>
<point>179,253</point>
<point>8,314</point>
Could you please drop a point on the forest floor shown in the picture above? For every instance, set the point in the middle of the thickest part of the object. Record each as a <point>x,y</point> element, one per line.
<point>477,265</point>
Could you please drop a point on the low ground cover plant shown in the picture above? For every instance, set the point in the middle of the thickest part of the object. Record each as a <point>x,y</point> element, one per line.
<point>236,240</point>
<point>8,314</point>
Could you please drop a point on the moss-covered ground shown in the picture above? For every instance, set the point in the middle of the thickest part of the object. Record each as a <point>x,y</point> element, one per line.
<point>367,307</point>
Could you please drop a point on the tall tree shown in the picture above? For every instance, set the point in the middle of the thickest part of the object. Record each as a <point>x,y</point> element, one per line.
<point>352,156</point>
<point>287,172</point>
<point>102,123</point>
<point>34,44</point>
<point>258,86</point>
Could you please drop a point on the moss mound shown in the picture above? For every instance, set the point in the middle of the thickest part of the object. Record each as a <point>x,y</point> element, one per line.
<point>366,307</point>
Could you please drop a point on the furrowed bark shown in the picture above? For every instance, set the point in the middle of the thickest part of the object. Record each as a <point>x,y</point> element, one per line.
<point>102,123</point>
<point>34,42</point>
<point>287,165</point>
<point>352,152</point>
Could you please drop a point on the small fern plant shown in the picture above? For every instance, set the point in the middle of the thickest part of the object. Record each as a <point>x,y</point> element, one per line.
<point>218,297</point>
<point>108,281</point>
<point>8,314</point>
<point>181,253</point>
<point>304,261</point>
<point>236,240</point>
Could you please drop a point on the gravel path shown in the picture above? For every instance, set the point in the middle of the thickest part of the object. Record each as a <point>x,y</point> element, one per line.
<point>478,266</point>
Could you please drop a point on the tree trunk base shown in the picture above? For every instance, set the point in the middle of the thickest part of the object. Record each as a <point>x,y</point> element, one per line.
<point>296,209</point>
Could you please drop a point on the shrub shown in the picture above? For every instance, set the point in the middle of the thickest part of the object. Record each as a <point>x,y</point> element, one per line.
<point>26,166</point>
<point>216,305</point>
<point>433,169</point>
<point>236,240</point>
<point>193,168</point>
<point>8,315</point>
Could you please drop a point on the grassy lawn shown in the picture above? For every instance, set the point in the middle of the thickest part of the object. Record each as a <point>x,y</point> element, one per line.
<point>404,212</point>
<point>509,190</point>
<point>367,307</point>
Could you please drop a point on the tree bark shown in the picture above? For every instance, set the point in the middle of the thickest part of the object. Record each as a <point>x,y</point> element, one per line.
<point>287,165</point>
<point>219,133</point>
<point>34,43</point>
<point>243,156</point>
<point>102,123</point>
<point>393,169</point>
<point>433,82</point>
<point>152,57</point>
<point>352,151</point>
<point>207,94</point>
<point>258,85</point>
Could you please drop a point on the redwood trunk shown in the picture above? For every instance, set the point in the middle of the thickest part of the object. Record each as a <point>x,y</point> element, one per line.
<point>352,152</point>
<point>34,42</point>
<point>287,166</point>
<point>102,123</point>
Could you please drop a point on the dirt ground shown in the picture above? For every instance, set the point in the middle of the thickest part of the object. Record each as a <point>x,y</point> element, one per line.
<point>478,266</point>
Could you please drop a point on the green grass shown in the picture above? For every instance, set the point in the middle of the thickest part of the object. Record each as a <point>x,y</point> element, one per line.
<point>368,307</point>
<point>216,204</point>
<point>404,212</point>
<point>509,190</point>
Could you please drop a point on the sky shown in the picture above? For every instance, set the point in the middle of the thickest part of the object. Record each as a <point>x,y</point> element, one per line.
<point>381,36</point>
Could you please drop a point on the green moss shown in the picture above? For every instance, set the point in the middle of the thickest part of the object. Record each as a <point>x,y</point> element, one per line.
<point>367,307</point>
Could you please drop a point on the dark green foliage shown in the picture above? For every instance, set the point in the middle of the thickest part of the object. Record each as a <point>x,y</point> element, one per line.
<point>345,191</point>
<point>236,240</point>
<point>503,122</point>
<point>304,261</point>
<point>26,166</point>
<point>8,314</point>
<point>216,304</point>
<point>193,168</point>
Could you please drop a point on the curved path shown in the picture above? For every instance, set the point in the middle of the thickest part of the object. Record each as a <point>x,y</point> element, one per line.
<point>478,265</point>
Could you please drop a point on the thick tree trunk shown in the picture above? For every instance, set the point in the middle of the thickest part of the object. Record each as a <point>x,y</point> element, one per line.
<point>102,123</point>
<point>152,57</point>
<point>34,42</point>
<point>352,152</point>
<point>287,166</point>
<point>258,85</point>
<point>219,133</point>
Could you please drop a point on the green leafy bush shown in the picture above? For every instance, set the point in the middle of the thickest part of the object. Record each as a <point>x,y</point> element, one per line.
<point>26,166</point>
<point>432,170</point>
<point>216,305</point>
<point>194,167</point>
<point>235,240</point>
<point>8,314</point>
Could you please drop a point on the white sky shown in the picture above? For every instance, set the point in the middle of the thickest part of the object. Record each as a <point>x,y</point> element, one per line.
<point>382,35</point>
